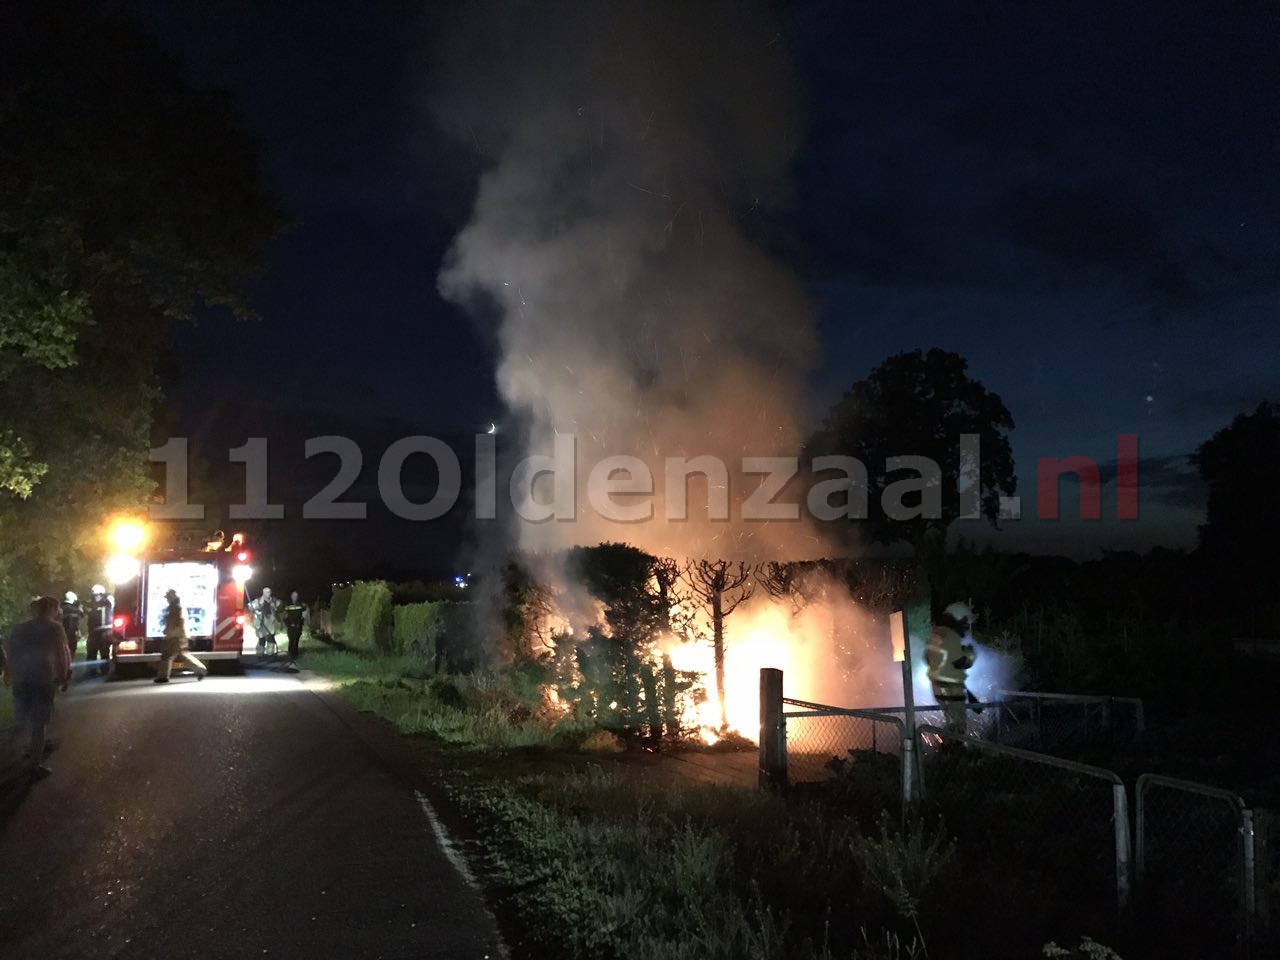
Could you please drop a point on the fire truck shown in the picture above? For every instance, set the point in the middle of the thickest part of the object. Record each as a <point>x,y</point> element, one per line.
<point>208,573</point>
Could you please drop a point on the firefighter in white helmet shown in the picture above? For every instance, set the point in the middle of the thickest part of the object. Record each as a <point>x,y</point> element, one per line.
<point>949,656</point>
<point>98,646</point>
<point>71,614</point>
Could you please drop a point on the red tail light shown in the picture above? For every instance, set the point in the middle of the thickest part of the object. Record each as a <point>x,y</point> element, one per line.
<point>242,556</point>
<point>119,623</point>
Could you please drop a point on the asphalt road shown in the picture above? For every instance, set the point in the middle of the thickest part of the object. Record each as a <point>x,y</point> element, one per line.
<point>236,817</point>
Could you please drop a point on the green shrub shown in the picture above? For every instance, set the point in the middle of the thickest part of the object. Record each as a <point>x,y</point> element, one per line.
<point>459,647</point>
<point>339,606</point>
<point>417,628</point>
<point>904,865</point>
<point>369,623</point>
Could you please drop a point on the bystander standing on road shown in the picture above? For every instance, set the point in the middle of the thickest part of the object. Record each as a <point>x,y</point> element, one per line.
<point>36,663</point>
<point>294,616</point>
<point>175,641</point>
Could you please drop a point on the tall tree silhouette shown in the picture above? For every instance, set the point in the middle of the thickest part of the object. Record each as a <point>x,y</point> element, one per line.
<point>919,405</point>
<point>1239,464</point>
<point>128,200</point>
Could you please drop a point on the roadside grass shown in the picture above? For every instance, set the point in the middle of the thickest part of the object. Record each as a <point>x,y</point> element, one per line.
<point>614,859</point>
<point>345,666</point>
<point>482,711</point>
<point>606,864</point>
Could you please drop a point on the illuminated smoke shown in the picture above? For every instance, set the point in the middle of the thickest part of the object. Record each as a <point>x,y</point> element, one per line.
<point>634,151</point>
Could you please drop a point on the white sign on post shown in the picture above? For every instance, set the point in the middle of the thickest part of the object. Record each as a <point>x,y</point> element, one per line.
<point>898,634</point>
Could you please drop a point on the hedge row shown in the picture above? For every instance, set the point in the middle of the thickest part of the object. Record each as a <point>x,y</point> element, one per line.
<point>340,604</point>
<point>368,618</point>
<point>417,629</point>
<point>368,623</point>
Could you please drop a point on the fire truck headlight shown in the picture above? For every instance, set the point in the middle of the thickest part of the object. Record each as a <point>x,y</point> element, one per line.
<point>122,568</point>
<point>242,573</point>
<point>128,536</point>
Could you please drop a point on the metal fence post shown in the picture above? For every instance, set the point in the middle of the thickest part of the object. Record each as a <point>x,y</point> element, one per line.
<point>1120,814</point>
<point>773,730</point>
<point>910,771</point>
<point>1264,857</point>
<point>1140,843</point>
<point>1248,888</point>
<point>1037,726</point>
<point>1245,853</point>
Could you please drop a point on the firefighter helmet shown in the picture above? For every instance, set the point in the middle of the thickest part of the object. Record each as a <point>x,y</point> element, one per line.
<point>99,590</point>
<point>961,612</point>
<point>70,596</point>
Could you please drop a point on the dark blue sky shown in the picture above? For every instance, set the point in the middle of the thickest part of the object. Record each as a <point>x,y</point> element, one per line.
<point>1078,197</point>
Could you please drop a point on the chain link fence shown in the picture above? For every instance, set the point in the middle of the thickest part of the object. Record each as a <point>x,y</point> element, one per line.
<point>822,739</point>
<point>1044,723</point>
<point>1061,828</point>
<point>1201,868</point>
<point>1059,722</point>
<point>981,719</point>
<point>1195,858</point>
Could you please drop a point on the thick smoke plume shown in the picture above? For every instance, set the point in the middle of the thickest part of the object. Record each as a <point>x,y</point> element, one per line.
<point>633,151</point>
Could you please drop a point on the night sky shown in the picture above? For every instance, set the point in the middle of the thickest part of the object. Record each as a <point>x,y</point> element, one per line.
<point>1078,197</point>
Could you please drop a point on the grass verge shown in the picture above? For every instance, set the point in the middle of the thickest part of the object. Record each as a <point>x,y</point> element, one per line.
<point>481,711</point>
<point>603,858</point>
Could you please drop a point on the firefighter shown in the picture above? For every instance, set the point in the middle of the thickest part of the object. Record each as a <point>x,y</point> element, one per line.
<point>98,643</point>
<point>72,614</point>
<point>175,641</point>
<point>264,611</point>
<point>294,616</point>
<point>949,656</point>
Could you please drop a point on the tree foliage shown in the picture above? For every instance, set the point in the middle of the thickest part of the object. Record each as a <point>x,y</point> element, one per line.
<point>1239,464</point>
<point>128,200</point>
<point>920,404</point>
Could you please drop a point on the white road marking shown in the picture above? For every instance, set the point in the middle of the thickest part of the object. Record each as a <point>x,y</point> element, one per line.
<point>458,861</point>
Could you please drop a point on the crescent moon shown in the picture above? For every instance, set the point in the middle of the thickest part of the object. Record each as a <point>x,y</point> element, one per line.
<point>493,427</point>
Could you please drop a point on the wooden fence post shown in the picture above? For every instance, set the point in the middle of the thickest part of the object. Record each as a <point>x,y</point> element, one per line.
<point>773,730</point>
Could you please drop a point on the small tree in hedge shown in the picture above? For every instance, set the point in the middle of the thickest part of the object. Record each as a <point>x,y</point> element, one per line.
<point>723,587</point>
